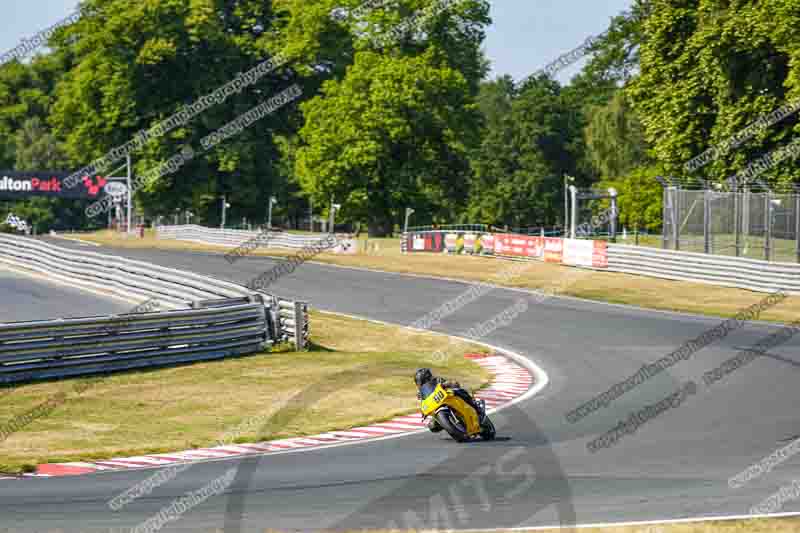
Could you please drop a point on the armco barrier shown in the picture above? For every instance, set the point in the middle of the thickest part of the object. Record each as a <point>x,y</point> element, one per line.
<point>117,275</point>
<point>751,274</point>
<point>209,318</point>
<point>234,238</point>
<point>70,347</point>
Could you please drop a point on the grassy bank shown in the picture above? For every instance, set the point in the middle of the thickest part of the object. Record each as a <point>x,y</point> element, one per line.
<point>347,380</point>
<point>653,293</point>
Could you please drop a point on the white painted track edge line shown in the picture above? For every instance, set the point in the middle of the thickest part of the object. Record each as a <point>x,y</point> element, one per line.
<point>722,518</point>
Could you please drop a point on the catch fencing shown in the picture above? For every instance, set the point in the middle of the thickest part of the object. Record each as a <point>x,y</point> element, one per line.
<point>763,225</point>
<point>206,318</point>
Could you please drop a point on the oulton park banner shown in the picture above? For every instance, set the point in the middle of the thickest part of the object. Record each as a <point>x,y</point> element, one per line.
<point>19,185</point>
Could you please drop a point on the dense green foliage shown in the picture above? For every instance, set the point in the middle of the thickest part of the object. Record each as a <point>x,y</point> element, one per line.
<point>397,109</point>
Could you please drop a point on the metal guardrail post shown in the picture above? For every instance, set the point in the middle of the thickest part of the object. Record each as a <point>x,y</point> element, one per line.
<point>275,318</point>
<point>301,326</point>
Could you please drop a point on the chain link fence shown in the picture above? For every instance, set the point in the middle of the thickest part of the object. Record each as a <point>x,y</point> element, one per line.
<point>757,225</point>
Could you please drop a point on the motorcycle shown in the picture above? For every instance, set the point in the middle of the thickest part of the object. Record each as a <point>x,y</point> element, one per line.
<point>443,409</point>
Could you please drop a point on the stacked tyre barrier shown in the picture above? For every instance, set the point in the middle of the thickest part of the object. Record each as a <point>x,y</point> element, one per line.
<point>198,317</point>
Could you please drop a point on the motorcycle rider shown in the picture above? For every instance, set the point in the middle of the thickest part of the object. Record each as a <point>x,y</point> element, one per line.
<point>426,383</point>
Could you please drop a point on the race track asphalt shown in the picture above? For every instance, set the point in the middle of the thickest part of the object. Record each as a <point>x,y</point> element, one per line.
<point>28,298</point>
<point>676,465</point>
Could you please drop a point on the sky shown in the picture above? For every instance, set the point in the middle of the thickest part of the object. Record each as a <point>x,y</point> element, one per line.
<point>525,35</point>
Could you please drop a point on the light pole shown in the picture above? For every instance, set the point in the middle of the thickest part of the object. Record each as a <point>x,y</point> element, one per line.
<point>567,179</point>
<point>272,201</point>
<point>409,212</point>
<point>334,208</point>
<point>310,214</point>
<point>130,194</point>
<point>225,206</point>
<point>612,228</point>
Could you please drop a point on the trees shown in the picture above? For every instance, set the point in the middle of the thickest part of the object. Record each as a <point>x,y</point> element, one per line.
<point>398,110</point>
<point>393,128</point>
<point>615,142</point>
<point>136,65</point>
<point>526,149</point>
<point>708,69</point>
<point>387,136</point>
<point>640,198</point>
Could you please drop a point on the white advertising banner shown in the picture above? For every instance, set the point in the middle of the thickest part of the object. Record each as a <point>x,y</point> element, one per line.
<point>578,252</point>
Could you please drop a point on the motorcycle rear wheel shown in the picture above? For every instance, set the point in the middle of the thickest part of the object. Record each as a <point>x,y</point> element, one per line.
<point>454,428</point>
<point>487,429</point>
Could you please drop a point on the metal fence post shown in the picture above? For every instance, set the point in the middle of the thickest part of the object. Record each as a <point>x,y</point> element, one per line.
<point>707,221</point>
<point>674,215</point>
<point>665,210</point>
<point>574,215</point>
<point>797,223</point>
<point>768,226</point>
<point>746,216</point>
<point>737,221</point>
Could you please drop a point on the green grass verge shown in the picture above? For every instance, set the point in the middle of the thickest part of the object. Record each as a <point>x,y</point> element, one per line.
<point>357,373</point>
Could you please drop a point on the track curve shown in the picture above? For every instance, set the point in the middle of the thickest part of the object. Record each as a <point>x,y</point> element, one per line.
<point>675,466</point>
<point>23,297</point>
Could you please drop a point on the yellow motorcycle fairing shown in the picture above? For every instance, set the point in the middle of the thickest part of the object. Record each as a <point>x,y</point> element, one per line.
<point>441,397</point>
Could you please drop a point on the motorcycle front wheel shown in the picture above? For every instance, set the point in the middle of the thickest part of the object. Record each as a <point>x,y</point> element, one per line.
<point>452,425</point>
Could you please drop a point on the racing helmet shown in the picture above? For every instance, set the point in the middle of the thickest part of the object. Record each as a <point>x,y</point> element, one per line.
<point>422,376</point>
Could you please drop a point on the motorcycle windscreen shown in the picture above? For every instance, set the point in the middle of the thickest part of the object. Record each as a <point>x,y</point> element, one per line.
<point>427,389</point>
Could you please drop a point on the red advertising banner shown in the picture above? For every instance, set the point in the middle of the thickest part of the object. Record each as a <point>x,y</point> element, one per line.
<point>425,242</point>
<point>600,254</point>
<point>517,245</point>
<point>553,249</point>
